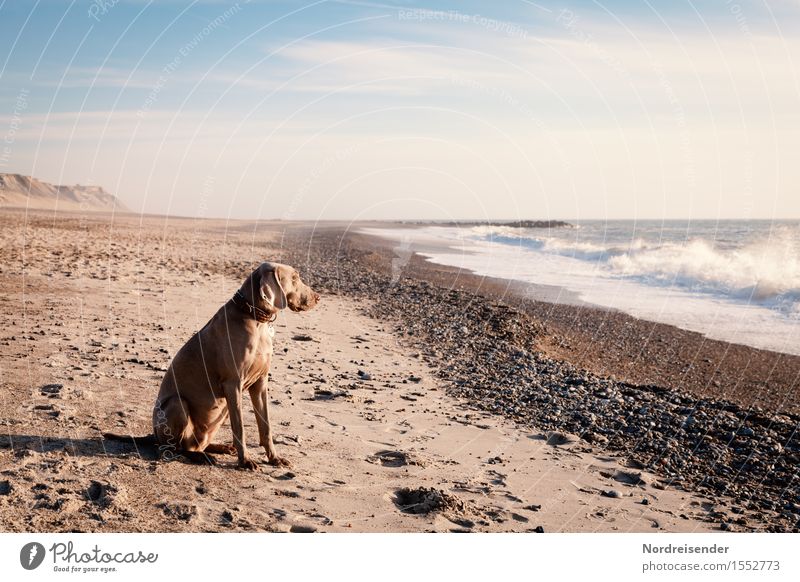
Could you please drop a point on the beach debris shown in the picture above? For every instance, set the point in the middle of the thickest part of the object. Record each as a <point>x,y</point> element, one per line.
<point>326,394</point>
<point>422,500</point>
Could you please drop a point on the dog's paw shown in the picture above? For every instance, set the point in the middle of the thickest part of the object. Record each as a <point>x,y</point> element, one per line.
<point>248,463</point>
<point>227,449</point>
<point>277,461</point>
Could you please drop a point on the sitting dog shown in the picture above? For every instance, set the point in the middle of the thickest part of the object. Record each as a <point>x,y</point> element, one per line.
<point>207,378</point>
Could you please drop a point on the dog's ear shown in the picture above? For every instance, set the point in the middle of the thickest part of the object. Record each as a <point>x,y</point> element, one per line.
<point>271,289</point>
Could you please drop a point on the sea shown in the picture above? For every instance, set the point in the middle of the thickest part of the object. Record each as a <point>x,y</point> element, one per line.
<point>731,280</point>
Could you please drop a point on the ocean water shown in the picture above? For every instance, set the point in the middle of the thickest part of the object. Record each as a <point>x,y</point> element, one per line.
<point>737,281</point>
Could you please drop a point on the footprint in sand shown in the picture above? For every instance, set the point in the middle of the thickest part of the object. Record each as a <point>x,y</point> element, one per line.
<point>626,477</point>
<point>179,511</point>
<point>104,495</point>
<point>559,439</point>
<point>497,478</point>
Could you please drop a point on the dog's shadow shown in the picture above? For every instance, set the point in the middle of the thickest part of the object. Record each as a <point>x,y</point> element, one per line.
<point>22,444</point>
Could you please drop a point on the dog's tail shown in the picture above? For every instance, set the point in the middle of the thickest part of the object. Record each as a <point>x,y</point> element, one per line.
<point>142,441</point>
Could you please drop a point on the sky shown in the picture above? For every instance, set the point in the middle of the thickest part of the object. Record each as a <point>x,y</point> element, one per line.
<point>354,110</point>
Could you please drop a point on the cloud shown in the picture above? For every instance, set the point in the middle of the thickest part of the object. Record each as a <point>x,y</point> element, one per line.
<point>574,114</point>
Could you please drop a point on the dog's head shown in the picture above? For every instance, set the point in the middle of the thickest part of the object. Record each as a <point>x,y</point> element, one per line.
<point>279,286</point>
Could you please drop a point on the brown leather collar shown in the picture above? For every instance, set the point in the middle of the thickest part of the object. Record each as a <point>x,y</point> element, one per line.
<point>256,312</point>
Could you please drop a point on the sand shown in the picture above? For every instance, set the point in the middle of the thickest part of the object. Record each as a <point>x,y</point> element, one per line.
<point>93,307</point>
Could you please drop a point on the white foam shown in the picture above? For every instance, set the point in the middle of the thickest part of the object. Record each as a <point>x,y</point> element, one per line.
<point>747,296</point>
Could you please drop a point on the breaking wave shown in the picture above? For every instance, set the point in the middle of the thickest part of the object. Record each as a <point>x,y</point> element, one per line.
<point>765,271</point>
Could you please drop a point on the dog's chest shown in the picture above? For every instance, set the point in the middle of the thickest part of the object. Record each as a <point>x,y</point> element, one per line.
<point>265,345</point>
<point>260,355</point>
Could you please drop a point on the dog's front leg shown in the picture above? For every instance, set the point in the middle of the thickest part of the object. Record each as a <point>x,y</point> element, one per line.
<point>233,395</point>
<point>260,398</point>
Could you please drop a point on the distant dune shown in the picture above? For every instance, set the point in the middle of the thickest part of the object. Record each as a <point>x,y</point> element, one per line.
<point>19,191</point>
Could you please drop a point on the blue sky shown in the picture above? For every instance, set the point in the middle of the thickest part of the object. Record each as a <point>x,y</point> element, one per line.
<point>353,110</point>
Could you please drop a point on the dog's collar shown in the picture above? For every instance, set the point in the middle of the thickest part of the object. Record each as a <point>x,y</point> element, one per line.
<point>256,312</point>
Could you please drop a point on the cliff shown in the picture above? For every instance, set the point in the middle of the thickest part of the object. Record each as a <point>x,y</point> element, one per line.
<point>26,192</point>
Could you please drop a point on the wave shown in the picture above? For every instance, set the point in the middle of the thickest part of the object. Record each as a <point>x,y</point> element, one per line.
<point>765,271</point>
<point>576,249</point>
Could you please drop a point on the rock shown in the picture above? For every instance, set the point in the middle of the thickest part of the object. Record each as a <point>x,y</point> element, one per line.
<point>613,493</point>
<point>52,390</point>
<point>364,375</point>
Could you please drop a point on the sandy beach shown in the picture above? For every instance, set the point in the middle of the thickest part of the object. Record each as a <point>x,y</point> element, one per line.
<point>414,398</point>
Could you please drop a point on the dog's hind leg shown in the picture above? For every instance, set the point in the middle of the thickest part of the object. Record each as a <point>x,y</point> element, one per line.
<point>173,428</point>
